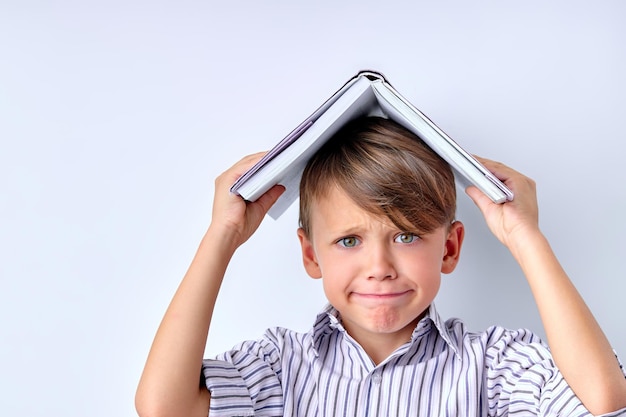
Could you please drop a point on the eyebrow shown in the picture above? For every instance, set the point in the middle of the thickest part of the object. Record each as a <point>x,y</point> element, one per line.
<point>347,231</point>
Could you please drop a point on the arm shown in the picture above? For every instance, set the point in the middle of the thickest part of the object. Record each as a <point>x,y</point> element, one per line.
<point>578,345</point>
<point>169,383</point>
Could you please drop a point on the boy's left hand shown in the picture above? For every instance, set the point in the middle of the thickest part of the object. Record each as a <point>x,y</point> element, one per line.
<point>511,220</point>
<point>572,332</point>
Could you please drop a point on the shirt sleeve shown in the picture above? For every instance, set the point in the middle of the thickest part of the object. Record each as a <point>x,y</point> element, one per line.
<point>245,381</point>
<point>523,380</point>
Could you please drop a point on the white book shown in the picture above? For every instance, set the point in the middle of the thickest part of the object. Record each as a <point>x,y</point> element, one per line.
<point>366,94</point>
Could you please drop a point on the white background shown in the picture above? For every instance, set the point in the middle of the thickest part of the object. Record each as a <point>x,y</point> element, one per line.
<point>116,116</point>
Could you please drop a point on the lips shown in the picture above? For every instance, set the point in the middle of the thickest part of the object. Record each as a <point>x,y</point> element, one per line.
<point>382,296</point>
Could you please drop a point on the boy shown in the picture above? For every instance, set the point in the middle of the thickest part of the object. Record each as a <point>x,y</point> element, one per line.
<point>377,221</point>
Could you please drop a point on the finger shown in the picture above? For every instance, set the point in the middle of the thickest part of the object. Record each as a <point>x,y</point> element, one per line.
<point>248,161</point>
<point>479,198</point>
<point>233,173</point>
<point>269,197</point>
<point>501,171</point>
<point>262,205</point>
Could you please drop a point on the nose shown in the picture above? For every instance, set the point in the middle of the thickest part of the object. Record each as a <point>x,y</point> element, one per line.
<point>379,262</point>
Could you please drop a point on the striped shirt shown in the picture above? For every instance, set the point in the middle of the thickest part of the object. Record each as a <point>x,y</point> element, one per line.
<point>444,370</point>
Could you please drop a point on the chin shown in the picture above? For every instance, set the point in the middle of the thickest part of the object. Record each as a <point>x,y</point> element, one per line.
<point>391,321</point>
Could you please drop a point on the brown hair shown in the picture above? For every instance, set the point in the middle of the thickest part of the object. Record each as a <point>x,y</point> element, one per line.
<point>386,170</point>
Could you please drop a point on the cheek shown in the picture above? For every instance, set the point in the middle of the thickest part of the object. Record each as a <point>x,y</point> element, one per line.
<point>335,291</point>
<point>429,263</point>
<point>336,276</point>
<point>425,267</point>
<point>421,259</point>
<point>333,262</point>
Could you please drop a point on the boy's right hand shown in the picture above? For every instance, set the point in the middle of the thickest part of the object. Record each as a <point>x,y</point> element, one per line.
<point>233,215</point>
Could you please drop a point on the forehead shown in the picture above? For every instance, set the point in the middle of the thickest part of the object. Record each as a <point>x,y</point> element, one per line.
<point>334,210</point>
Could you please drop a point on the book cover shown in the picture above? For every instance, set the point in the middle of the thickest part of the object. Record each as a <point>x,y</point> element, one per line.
<point>368,93</point>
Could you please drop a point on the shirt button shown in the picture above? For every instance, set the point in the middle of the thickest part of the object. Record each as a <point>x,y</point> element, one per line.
<point>376,378</point>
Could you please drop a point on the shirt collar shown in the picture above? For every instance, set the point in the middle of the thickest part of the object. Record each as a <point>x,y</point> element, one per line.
<point>328,320</point>
<point>432,318</point>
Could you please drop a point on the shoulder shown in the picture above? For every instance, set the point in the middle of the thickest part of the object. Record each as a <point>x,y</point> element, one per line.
<point>273,339</point>
<point>277,343</point>
<point>264,356</point>
<point>507,351</point>
<point>496,343</point>
<point>272,346</point>
<point>498,337</point>
<point>521,345</point>
<point>492,337</point>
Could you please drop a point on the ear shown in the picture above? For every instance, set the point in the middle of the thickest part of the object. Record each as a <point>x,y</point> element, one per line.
<point>452,249</point>
<point>308,255</point>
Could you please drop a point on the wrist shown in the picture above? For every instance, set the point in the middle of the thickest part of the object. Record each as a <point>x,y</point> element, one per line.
<point>525,241</point>
<point>222,237</point>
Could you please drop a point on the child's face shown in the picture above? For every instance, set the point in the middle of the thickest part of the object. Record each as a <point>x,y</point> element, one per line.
<point>381,279</point>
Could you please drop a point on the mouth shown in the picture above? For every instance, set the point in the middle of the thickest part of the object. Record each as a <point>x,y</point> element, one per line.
<point>384,296</point>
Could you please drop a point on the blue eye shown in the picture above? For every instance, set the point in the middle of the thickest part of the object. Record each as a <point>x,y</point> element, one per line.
<point>348,242</point>
<point>406,238</point>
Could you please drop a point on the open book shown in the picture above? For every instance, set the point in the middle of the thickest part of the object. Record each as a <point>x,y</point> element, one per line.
<point>366,94</point>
